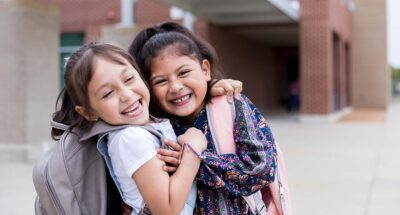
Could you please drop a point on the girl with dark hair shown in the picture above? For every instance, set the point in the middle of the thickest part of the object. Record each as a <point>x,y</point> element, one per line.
<point>103,82</point>
<point>179,68</point>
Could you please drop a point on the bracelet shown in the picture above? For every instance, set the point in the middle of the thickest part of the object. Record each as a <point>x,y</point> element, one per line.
<point>191,149</point>
<point>194,151</point>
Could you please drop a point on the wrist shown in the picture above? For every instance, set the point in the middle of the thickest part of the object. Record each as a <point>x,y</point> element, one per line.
<point>188,148</point>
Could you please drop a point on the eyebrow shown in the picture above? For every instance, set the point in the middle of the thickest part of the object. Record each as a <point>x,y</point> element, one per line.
<point>177,69</point>
<point>125,70</point>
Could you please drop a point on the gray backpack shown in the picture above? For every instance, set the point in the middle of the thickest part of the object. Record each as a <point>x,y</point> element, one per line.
<point>72,178</point>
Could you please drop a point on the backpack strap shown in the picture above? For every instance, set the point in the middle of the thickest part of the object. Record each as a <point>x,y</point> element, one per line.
<point>221,115</point>
<point>58,125</point>
<point>279,188</point>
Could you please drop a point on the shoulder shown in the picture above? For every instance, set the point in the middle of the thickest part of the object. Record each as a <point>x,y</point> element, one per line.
<point>134,136</point>
<point>130,133</point>
<point>130,148</point>
<point>245,108</point>
<point>244,99</point>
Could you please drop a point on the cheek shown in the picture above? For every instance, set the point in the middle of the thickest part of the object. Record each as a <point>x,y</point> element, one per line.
<point>93,105</point>
<point>159,95</point>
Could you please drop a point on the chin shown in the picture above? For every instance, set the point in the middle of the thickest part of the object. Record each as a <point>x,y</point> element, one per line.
<point>183,113</point>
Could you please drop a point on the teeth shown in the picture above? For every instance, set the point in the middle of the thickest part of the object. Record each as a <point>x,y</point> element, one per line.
<point>132,108</point>
<point>181,99</point>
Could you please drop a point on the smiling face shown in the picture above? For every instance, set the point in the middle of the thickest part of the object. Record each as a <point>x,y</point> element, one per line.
<point>117,94</point>
<point>179,83</point>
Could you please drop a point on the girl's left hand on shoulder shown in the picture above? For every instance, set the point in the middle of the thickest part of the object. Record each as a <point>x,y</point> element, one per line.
<point>227,87</point>
<point>170,156</point>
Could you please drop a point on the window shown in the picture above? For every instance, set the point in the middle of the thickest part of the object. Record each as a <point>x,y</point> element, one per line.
<point>69,42</point>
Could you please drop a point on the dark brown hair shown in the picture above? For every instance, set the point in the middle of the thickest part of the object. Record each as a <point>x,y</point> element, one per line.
<point>79,71</point>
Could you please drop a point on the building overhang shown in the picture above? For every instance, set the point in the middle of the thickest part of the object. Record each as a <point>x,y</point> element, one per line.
<point>239,12</point>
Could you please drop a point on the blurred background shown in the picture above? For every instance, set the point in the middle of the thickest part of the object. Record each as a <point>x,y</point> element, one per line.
<point>326,74</point>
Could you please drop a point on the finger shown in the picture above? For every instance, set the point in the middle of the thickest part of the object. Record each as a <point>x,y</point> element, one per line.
<point>229,96</point>
<point>171,160</point>
<point>169,169</point>
<point>229,85</point>
<point>218,91</point>
<point>174,145</point>
<point>237,92</point>
<point>168,153</point>
<point>237,83</point>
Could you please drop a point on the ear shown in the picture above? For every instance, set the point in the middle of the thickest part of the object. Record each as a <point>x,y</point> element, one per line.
<point>81,110</point>
<point>206,67</point>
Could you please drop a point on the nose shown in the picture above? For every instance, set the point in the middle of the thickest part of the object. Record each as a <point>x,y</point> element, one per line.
<point>175,86</point>
<point>126,94</point>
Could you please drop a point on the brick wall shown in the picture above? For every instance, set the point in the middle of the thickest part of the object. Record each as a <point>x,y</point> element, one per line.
<point>86,16</point>
<point>321,80</point>
<point>150,12</point>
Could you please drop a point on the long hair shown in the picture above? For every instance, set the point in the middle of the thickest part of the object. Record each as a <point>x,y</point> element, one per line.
<point>79,71</point>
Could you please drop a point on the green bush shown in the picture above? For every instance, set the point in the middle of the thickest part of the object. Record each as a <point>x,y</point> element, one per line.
<point>395,80</point>
<point>396,73</point>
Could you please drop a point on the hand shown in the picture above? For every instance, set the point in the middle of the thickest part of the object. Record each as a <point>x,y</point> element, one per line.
<point>195,138</point>
<point>126,209</point>
<point>170,156</point>
<point>227,87</point>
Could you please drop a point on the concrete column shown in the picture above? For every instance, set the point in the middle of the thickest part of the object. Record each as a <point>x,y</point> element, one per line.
<point>370,72</point>
<point>127,13</point>
<point>29,75</point>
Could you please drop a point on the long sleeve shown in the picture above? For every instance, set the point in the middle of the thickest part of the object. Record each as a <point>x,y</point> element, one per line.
<point>253,166</point>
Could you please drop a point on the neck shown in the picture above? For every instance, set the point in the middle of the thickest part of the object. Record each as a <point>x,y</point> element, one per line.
<point>189,120</point>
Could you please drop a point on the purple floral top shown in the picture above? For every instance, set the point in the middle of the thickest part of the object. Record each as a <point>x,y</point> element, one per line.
<point>223,179</point>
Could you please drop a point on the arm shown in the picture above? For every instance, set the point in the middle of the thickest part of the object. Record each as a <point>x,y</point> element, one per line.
<point>254,165</point>
<point>231,88</point>
<point>166,194</point>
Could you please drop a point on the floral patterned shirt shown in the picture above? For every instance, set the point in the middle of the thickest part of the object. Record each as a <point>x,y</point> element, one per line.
<point>223,179</point>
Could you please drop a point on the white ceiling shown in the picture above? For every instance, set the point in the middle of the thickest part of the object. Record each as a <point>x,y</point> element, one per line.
<point>239,12</point>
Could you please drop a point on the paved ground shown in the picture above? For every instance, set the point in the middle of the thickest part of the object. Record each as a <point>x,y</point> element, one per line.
<point>343,168</point>
<point>334,168</point>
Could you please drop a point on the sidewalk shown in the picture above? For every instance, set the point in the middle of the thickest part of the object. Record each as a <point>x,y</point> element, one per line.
<point>334,168</point>
<point>343,168</point>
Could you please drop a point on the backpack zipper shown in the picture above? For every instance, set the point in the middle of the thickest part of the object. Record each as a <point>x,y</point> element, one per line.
<point>53,197</point>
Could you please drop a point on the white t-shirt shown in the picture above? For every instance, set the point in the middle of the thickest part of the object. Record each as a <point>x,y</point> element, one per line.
<point>129,149</point>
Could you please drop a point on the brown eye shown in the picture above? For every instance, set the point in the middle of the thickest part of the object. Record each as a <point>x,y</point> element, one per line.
<point>159,82</point>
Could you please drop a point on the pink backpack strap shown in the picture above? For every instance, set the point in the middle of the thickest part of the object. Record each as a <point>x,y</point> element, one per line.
<point>221,114</point>
<point>280,204</point>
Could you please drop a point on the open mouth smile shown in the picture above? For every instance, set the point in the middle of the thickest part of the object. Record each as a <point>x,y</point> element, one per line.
<point>133,110</point>
<point>181,100</point>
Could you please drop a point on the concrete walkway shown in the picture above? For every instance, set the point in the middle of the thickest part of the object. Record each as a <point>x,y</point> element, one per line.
<point>334,168</point>
<point>343,168</point>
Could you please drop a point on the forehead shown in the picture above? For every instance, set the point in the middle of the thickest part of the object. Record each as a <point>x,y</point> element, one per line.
<point>173,52</point>
<point>110,59</point>
<point>105,70</point>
